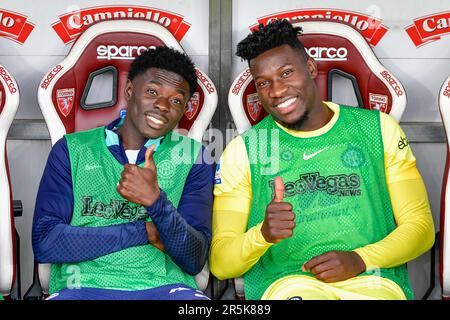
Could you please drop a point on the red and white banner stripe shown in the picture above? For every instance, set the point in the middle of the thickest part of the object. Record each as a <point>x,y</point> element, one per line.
<point>369,26</point>
<point>429,28</point>
<point>71,24</point>
<point>15,26</point>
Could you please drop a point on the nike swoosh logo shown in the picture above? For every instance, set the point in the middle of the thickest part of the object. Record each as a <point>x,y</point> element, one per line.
<point>178,289</point>
<point>312,155</point>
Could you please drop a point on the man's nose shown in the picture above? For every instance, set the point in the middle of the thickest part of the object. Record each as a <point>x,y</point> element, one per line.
<point>277,89</point>
<point>162,104</point>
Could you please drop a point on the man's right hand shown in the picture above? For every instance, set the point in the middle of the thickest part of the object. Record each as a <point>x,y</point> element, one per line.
<point>153,236</point>
<point>279,221</point>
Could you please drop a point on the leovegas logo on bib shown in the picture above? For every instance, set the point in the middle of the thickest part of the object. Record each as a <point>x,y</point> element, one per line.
<point>369,26</point>
<point>429,28</point>
<point>15,26</point>
<point>70,25</point>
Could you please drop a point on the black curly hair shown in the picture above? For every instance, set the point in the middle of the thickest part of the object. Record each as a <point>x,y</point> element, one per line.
<point>168,59</point>
<point>274,34</point>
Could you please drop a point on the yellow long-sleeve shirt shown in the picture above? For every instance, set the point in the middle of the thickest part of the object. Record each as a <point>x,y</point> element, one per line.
<point>235,250</point>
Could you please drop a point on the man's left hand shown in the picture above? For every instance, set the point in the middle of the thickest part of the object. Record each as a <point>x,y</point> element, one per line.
<point>335,266</point>
<point>153,236</point>
<point>140,185</point>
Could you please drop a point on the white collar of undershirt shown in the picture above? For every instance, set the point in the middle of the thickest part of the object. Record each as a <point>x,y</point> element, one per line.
<point>132,155</point>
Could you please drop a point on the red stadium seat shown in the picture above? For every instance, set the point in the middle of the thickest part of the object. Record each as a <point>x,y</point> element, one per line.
<point>9,101</point>
<point>338,49</point>
<point>106,50</point>
<point>444,261</point>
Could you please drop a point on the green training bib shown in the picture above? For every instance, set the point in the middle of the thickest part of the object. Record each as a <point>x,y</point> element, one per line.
<point>336,184</point>
<point>95,174</point>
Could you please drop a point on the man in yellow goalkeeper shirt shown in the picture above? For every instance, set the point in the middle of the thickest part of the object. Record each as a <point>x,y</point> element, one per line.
<point>318,200</point>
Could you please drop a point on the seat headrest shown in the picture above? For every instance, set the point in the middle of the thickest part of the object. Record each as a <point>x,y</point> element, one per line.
<point>106,50</point>
<point>444,257</point>
<point>338,49</point>
<point>9,102</point>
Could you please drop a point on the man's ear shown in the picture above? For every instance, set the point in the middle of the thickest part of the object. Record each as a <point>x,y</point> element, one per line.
<point>128,90</point>
<point>311,66</point>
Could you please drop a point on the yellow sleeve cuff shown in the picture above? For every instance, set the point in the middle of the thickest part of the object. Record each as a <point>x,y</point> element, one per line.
<point>366,258</point>
<point>259,239</point>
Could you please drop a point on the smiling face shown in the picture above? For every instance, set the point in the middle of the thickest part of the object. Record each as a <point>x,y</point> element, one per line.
<point>156,100</point>
<point>285,84</point>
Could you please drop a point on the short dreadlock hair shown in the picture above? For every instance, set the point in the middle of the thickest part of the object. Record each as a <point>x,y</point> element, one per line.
<point>168,59</point>
<point>274,34</point>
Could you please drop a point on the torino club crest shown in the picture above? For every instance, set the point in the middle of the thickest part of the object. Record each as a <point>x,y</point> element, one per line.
<point>378,102</point>
<point>65,99</point>
<point>254,106</point>
<point>192,106</point>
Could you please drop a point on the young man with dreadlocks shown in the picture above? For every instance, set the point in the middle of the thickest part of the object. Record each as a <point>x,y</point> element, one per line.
<point>339,209</point>
<point>108,217</point>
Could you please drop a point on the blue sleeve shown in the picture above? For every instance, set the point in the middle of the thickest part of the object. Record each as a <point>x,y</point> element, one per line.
<point>186,232</point>
<point>54,239</point>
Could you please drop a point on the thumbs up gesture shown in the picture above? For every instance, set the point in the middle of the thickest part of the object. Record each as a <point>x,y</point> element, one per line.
<point>279,221</point>
<point>140,185</point>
